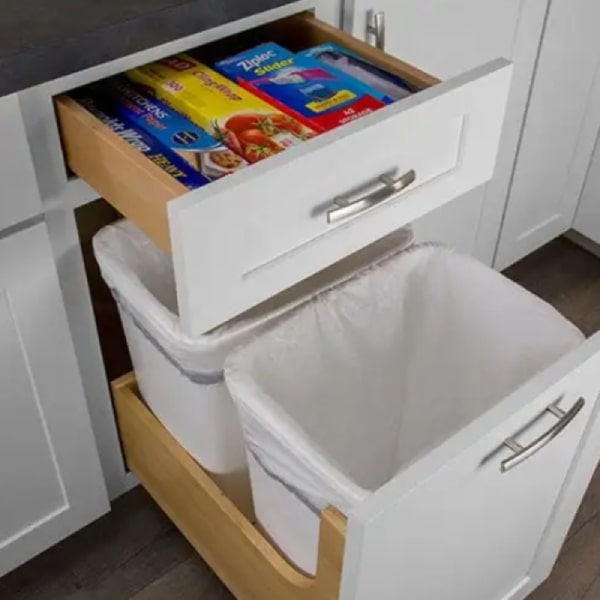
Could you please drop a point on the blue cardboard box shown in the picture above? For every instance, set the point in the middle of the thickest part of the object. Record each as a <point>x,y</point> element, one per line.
<point>172,129</point>
<point>106,111</point>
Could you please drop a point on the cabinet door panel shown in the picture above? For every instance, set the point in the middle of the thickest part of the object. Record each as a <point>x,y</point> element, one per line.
<point>31,485</point>
<point>455,526</point>
<point>447,37</point>
<point>559,134</point>
<point>50,479</point>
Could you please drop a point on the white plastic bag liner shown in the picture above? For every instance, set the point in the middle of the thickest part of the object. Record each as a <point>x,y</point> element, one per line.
<point>339,396</point>
<point>180,377</point>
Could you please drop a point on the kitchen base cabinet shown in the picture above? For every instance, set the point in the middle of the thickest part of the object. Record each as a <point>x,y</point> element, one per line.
<point>456,511</point>
<point>447,37</point>
<point>51,483</point>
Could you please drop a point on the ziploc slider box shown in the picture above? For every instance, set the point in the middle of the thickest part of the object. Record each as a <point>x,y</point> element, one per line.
<point>354,65</point>
<point>192,143</point>
<point>246,124</point>
<point>104,110</point>
<point>309,90</point>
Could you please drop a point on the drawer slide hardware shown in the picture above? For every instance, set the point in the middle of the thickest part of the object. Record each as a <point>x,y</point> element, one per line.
<point>376,28</point>
<point>522,453</point>
<point>348,206</point>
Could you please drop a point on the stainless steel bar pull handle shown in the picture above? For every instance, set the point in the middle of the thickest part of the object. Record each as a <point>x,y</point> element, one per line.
<point>376,27</point>
<point>522,453</point>
<point>348,206</point>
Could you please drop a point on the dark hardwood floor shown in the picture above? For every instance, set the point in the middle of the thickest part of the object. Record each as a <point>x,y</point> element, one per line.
<point>134,553</point>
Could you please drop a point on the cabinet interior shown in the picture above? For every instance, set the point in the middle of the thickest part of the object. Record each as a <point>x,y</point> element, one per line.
<point>90,218</point>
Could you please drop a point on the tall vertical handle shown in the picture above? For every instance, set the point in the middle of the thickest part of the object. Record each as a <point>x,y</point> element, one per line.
<point>376,27</point>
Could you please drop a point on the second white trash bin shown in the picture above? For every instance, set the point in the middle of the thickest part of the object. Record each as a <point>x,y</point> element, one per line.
<point>181,378</point>
<point>349,389</point>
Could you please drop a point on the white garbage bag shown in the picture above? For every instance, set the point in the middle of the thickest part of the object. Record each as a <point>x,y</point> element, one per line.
<point>365,378</point>
<point>181,377</point>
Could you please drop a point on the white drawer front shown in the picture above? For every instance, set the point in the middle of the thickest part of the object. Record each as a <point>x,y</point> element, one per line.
<point>250,236</point>
<point>455,526</point>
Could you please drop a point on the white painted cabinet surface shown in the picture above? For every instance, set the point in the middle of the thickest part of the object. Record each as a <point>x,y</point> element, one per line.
<point>470,531</point>
<point>19,197</point>
<point>446,37</point>
<point>587,219</point>
<point>560,130</point>
<point>51,483</point>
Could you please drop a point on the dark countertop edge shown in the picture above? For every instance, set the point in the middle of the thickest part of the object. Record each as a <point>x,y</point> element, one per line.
<point>44,63</point>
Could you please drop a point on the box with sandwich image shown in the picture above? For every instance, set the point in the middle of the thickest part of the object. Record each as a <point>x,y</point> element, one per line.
<point>107,111</point>
<point>243,122</point>
<point>191,142</point>
<point>307,89</point>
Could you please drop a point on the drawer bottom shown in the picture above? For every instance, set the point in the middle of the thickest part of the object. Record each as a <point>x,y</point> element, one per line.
<point>244,560</point>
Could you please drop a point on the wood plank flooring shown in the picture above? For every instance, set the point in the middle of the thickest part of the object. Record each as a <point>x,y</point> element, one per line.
<point>134,553</point>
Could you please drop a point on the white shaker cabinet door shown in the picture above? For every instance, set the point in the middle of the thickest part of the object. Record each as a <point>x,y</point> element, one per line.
<point>51,483</point>
<point>483,516</point>
<point>447,37</point>
<point>560,130</point>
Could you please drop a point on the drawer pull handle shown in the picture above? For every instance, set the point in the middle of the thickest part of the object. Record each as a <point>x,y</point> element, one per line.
<point>376,28</point>
<point>522,453</point>
<point>350,205</point>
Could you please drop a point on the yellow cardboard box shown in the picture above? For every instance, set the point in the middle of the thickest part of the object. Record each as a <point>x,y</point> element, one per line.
<point>244,122</point>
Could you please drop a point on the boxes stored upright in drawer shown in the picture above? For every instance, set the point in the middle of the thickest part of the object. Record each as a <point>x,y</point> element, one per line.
<point>244,238</point>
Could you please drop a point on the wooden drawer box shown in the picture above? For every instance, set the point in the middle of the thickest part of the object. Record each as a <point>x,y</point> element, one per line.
<point>242,239</point>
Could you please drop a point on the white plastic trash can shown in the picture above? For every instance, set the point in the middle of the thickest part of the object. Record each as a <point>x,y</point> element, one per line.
<point>344,392</point>
<point>180,377</point>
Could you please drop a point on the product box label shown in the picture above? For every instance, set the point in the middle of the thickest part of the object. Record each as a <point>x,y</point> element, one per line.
<point>185,138</point>
<point>249,126</point>
<point>338,57</point>
<point>308,89</point>
<point>105,111</point>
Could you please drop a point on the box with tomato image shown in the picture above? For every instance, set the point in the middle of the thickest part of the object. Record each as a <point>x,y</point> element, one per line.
<point>309,90</point>
<point>246,124</point>
<point>256,134</point>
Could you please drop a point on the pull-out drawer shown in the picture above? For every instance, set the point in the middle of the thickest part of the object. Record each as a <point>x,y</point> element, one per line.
<point>244,238</point>
<point>480,517</point>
